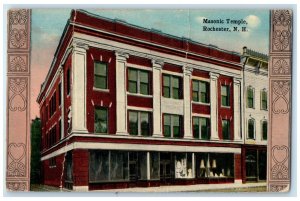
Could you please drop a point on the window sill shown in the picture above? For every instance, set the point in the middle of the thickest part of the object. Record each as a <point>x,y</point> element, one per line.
<point>200,103</point>
<point>225,107</point>
<point>101,90</point>
<point>139,95</point>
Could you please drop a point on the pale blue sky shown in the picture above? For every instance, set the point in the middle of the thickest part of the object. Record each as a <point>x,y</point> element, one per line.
<point>48,25</point>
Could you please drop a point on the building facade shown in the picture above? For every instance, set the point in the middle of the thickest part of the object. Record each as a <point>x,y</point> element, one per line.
<point>255,83</point>
<point>123,106</point>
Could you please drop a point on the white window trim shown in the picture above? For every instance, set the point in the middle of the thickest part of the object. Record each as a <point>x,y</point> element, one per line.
<point>139,67</point>
<point>262,131</point>
<point>253,90</point>
<point>200,79</point>
<point>166,72</point>
<point>199,92</point>
<point>171,87</point>
<point>171,129</point>
<point>254,129</point>
<point>139,123</point>
<point>226,106</point>
<point>107,73</point>
<point>200,134</point>
<point>261,91</point>
<point>139,83</point>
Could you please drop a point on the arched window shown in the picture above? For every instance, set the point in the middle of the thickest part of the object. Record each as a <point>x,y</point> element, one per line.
<point>264,99</point>
<point>264,130</point>
<point>251,129</point>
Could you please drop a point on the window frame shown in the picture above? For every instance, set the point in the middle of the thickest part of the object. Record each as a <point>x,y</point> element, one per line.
<point>227,95</point>
<point>262,130</point>
<point>228,129</point>
<point>138,81</point>
<point>254,130</point>
<point>107,119</point>
<point>68,81</point>
<point>101,76</point>
<point>199,92</point>
<point>252,90</point>
<point>198,119</point>
<point>139,123</point>
<point>261,99</point>
<point>171,87</point>
<point>172,125</point>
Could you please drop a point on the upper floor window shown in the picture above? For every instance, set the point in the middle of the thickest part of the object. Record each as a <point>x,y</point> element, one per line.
<point>264,130</point>
<point>264,100</point>
<point>225,95</point>
<point>68,81</point>
<point>172,86</point>
<point>200,91</point>
<point>201,128</point>
<point>172,125</point>
<point>138,81</point>
<point>226,129</point>
<point>139,123</point>
<point>100,75</point>
<point>52,104</point>
<point>101,120</point>
<point>59,94</point>
<point>250,97</point>
<point>251,129</point>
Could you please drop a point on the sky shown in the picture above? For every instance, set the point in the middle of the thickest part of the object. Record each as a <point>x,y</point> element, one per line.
<point>48,25</point>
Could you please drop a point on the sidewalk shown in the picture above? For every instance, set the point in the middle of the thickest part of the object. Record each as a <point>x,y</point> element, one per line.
<point>250,187</point>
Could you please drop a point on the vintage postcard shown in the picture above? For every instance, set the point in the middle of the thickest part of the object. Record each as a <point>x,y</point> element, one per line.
<point>145,100</point>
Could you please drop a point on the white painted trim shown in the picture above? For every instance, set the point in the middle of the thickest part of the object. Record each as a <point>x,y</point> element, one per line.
<point>139,108</point>
<point>139,95</point>
<point>200,78</point>
<point>200,103</point>
<point>139,67</point>
<point>101,90</point>
<point>81,188</point>
<point>200,115</point>
<point>166,47</point>
<point>172,73</point>
<point>140,147</point>
<point>146,53</point>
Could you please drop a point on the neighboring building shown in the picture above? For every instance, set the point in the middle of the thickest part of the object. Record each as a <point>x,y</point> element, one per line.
<point>256,87</point>
<point>125,106</point>
<point>35,160</point>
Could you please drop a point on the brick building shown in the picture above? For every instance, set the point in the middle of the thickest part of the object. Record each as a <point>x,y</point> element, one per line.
<point>124,106</point>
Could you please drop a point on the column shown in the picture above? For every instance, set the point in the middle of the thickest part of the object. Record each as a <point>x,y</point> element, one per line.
<point>156,82</point>
<point>62,102</point>
<point>78,89</point>
<point>121,113</point>
<point>148,165</point>
<point>237,108</point>
<point>214,105</point>
<point>187,73</point>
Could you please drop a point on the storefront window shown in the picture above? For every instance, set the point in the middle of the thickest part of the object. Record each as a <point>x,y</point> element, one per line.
<point>154,165</point>
<point>142,159</point>
<point>251,165</point>
<point>183,165</point>
<point>118,165</point>
<point>69,174</point>
<point>99,166</point>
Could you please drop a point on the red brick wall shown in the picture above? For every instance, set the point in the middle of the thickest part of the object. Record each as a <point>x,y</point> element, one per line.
<point>80,167</point>
<point>100,98</point>
<point>53,175</point>
<point>237,166</point>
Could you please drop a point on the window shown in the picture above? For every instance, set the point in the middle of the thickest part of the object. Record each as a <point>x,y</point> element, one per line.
<point>139,123</point>
<point>101,117</point>
<point>201,128</point>
<point>59,129</point>
<point>108,166</point>
<point>264,130</point>
<point>100,75</point>
<point>172,87</point>
<point>251,130</point>
<point>138,81</point>
<point>172,125</point>
<point>264,100</point>
<point>250,97</point>
<point>68,81</point>
<point>200,91</point>
<point>183,165</point>
<point>154,165</point>
<point>59,94</point>
<point>226,129</point>
<point>225,95</point>
<point>52,104</point>
<point>52,162</point>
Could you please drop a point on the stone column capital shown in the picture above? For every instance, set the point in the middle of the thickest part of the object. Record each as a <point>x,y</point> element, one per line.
<point>237,80</point>
<point>79,47</point>
<point>187,70</point>
<point>157,63</point>
<point>214,76</point>
<point>121,56</point>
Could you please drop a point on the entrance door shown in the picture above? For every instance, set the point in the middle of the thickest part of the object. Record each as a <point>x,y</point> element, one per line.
<point>165,168</point>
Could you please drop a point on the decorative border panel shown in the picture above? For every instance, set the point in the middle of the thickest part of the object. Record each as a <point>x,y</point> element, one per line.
<point>18,100</point>
<point>280,65</point>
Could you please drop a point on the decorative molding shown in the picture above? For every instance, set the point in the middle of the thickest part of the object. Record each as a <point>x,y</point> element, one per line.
<point>280,102</point>
<point>16,166</point>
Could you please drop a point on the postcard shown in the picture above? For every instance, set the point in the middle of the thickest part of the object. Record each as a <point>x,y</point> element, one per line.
<point>145,100</point>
